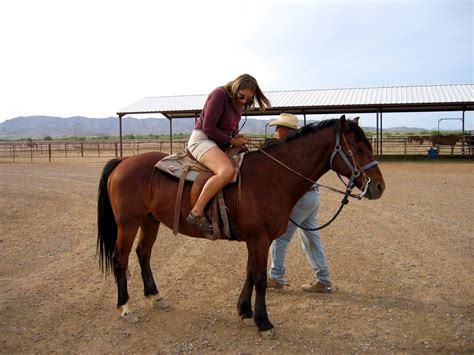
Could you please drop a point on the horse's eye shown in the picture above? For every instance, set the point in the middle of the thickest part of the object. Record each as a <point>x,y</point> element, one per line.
<point>360,150</point>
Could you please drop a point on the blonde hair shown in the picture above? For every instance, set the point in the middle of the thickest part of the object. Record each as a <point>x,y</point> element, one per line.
<point>246,81</point>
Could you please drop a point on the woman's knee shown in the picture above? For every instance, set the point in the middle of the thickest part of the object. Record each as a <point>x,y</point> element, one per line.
<point>226,172</point>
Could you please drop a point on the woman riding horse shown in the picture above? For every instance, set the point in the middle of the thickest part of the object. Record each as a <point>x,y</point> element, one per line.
<point>272,181</point>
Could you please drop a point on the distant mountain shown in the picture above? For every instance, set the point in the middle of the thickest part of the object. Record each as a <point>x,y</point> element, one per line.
<point>40,126</point>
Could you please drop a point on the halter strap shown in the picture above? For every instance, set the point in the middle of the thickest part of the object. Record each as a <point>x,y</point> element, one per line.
<point>354,166</point>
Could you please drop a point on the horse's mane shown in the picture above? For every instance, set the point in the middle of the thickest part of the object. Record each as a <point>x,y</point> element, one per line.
<point>318,126</point>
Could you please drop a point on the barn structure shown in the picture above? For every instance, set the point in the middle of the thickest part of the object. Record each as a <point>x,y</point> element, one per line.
<point>377,100</point>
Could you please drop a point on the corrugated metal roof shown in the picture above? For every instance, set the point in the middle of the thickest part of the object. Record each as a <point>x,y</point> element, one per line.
<point>387,99</point>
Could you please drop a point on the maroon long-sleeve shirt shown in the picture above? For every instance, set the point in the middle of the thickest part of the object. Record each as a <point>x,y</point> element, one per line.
<point>219,117</point>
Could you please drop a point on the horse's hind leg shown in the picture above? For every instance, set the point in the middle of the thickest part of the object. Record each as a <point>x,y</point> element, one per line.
<point>126,236</point>
<point>148,232</point>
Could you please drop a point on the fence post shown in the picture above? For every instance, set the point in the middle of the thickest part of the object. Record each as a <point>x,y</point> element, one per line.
<point>13,152</point>
<point>98,149</point>
<point>405,144</point>
<point>82,150</point>
<point>31,154</point>
<point>49,152</point>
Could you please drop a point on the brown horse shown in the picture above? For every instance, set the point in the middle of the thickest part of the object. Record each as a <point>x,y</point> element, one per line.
<point>450,139</point>
<point>133,196</point>
<point>415,139</point>
<point>31,144</point>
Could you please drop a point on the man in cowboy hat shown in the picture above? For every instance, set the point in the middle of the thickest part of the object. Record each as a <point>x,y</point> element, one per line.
<point>304,214</point>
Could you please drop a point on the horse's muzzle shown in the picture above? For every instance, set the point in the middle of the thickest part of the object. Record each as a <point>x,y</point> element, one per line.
<point>375,190</point>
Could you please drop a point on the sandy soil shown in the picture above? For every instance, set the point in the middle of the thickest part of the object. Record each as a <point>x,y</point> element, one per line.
<point>403,264</point>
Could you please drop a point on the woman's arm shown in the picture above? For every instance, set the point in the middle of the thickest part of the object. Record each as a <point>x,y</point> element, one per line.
<point>214,111</point>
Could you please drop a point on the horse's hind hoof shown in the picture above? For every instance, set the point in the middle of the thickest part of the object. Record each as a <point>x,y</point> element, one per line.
<point>248,322</point>
<point>268,334</point>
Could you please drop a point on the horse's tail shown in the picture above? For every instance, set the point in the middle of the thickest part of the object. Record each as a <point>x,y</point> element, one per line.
<point>106,225</point>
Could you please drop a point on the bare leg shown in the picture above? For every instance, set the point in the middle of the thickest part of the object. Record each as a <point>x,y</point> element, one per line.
<point>216,160</point>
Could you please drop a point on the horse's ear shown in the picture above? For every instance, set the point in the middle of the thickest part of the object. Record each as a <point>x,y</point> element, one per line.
<point>356,120</point>
<point>343,123</point>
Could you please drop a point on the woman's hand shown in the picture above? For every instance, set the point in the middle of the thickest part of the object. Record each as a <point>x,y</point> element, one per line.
<point>239,140</point>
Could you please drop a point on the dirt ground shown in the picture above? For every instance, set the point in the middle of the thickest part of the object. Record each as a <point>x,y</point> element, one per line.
<point>403,264</point>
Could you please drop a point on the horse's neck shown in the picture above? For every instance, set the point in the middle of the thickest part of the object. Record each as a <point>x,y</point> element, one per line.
<point>307,155</point>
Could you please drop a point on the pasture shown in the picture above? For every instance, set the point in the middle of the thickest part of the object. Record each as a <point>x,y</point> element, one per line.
<point>403,265</point>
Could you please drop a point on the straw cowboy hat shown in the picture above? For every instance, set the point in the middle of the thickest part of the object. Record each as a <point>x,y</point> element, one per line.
<point>286,120</point>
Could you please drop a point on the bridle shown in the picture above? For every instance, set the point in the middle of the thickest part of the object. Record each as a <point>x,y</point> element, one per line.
<point>351,163</point>
<point>356,171</point>
<point>355,168</point>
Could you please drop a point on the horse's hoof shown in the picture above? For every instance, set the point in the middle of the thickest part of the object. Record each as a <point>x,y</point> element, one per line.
<point>127,314</point>
<point>130,317</point>
<point>160,304</point>
<point>248,322</point>
<point>156,301</point>
<point>268,334</point>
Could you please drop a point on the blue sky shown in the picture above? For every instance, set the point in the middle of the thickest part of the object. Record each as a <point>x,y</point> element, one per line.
<point>92,58</point>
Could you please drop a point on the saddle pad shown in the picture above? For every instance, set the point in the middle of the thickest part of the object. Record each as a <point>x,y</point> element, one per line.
<point>173,164</point>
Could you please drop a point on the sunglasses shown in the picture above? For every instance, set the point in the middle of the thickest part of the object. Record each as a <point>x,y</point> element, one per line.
<point>242,97</point>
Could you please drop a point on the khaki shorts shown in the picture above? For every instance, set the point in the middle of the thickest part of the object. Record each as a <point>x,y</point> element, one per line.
<point>199,144</point>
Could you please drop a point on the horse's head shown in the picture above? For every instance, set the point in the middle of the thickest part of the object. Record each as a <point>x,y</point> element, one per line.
<point>353,158</point>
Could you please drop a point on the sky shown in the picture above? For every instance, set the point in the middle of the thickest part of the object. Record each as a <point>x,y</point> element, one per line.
<point>95,57</point>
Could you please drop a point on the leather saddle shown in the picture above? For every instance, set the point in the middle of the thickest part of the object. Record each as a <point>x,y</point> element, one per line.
<point>184,167</point>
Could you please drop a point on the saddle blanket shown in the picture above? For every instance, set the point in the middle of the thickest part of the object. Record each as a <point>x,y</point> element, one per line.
<point>174,165</point>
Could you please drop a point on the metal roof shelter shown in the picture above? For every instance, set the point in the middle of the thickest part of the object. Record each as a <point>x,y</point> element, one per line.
<point>378,100</point>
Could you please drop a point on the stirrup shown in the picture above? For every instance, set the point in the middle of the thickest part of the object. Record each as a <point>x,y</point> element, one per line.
<point>201,222</point>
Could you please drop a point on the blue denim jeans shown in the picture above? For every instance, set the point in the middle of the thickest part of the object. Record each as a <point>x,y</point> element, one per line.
<point>304,213</point>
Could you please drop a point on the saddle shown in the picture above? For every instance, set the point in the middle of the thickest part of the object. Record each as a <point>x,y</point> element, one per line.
<point>184,167</point>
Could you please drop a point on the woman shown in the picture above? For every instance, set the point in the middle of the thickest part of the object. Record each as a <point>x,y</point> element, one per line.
<point>218,127</point>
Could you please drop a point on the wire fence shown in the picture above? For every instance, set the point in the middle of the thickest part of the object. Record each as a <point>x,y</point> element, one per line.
<point>410,146</point>
<point>30,151</point>
<point>49,151</point>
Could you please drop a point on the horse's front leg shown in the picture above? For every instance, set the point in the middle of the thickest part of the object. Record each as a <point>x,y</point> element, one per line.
<point>258,256</point>
<point>244,305</point>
